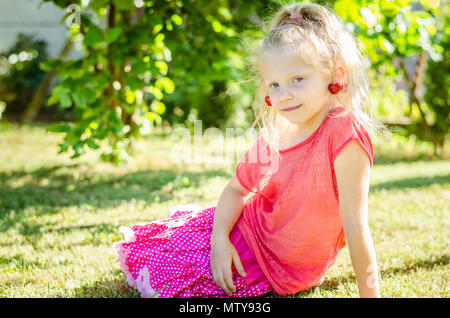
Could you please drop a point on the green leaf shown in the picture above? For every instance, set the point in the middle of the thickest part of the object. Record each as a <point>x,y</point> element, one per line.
<point>90,95</point>
<point>153,117</point>
<point>389,8</point>
<point>139,67</point>
<point>91,144</point>
<point>158,107</point>
<point>63,96</point>
<point>115,121</point>
<point>63,147</point>
<point>217,26</point>
<point>130,97</point>
<point>124,4</point>
<point>133,82</point>
<point>347,9</point>
<point>159,38</point>
<point>80,99</point>
<point>162,66</point>
<point>59,128</point>
<point>165,83</point>
<point>113,34</point>
<point>155,91</point>
<point>169,26</point>
<point>52,100</point>
<point>50,64</point>
<point>93,36</point>
<point>176,19</point>
<point>96,5</point>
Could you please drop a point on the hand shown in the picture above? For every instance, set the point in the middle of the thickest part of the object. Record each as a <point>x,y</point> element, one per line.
<point>223,254</point>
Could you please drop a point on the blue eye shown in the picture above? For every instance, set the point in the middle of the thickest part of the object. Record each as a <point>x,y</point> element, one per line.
<point>297,77</point>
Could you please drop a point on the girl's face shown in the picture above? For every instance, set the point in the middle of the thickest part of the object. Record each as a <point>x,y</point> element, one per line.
<point>298,91</point>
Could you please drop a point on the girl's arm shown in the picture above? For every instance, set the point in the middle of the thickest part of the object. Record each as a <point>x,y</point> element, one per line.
<point>223,253</point>
<point>229,208</point>
<point>352,168</point>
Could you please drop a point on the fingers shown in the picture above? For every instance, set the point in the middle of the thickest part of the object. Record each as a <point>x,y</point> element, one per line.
<point>238,265</point>
<point>220,281</point>
<point>229,280</point>
<point>224,279</point>
<point>221,270</point>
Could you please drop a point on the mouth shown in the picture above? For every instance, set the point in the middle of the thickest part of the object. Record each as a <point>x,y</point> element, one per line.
<point>292,108</point>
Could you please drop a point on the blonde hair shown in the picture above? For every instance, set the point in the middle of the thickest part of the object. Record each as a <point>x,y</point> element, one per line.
<point>325,32</point>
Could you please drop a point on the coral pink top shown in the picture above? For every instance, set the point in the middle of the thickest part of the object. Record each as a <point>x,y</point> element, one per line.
<point>291,219</point>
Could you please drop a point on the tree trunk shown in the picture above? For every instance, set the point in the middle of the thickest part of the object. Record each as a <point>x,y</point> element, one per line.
<point>415,85</point>
<point>38,99</point>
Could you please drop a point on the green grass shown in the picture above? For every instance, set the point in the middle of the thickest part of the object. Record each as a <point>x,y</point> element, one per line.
<point>60,217</point>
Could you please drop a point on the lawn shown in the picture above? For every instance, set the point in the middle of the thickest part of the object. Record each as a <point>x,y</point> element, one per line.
<point>59,217</point>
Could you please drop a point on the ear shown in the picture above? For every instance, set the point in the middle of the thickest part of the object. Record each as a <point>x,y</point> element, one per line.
<point>340,77</point>
<point>339,74</point>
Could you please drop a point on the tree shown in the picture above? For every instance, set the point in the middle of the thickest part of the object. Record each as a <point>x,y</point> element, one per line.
<point>392,32</point>
<point>41,93</point>
<point>117,88</point>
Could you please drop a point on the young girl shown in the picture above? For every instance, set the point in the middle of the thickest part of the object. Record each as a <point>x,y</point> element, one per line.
<point>299,193</point>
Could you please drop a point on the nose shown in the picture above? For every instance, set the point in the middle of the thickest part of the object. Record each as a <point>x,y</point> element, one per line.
<point>286,95</point>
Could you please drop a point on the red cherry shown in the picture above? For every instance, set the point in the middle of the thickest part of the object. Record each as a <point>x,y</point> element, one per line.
<point>268,101</point>
<point>334,88</point>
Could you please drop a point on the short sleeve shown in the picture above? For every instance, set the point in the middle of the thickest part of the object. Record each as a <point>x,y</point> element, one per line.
<point>251,171</point>
<point>346,130</point>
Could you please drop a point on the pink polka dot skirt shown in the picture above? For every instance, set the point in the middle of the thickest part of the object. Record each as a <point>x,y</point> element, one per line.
<point>170,257</point>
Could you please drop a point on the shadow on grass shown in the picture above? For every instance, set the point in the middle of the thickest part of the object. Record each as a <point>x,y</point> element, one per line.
<point>417,182</point>
<point>389,160</point>
<point>49,189</point>
<point>333,284</point>
<point>106,288</point>
<point>431,263</point>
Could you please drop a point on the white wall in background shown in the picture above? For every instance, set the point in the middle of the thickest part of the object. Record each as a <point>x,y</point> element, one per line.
<point>28,17</point>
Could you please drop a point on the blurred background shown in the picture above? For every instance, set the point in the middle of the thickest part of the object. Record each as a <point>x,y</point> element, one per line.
<point>93,91</point>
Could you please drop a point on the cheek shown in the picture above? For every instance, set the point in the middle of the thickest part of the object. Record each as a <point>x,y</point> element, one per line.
<point>315,89</point>
<point>302,90</point>
<point>273,93</point>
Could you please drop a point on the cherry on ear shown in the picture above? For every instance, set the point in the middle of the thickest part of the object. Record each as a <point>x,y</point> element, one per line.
<point>334,88</point>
